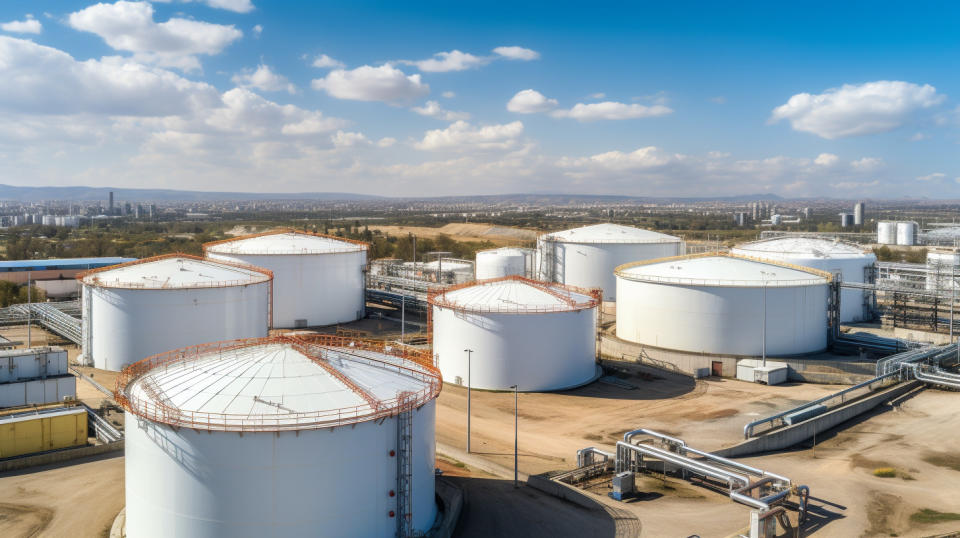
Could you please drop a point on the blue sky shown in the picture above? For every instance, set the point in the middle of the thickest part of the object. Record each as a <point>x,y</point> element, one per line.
<point>852,100</point>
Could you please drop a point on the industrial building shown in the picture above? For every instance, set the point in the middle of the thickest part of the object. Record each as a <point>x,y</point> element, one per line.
<point>319,279</point>
<point>723,304</point>
<point>35,376</point>
<point>847,262</point>
<point>504,261</point>
<point>586,257</point>
<point>280,437</point>
<point>38,430</point>
<point>138,309</point>
<point>494,334</point>
<point>56,277</point>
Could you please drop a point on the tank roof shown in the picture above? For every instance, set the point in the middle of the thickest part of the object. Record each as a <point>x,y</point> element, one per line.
<point>507,250</point>
<point>285,242</point>
<point>719,269</point>
<point>610,233</point>
<point>276,384</point>
<point>803,246</point>
<point>513,294</point>
<point>175,271</point>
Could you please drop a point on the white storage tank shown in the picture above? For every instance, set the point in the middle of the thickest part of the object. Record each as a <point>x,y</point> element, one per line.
<point>717,304</point>
<point>847,262</point>
<point>906,233</point>
<point>279,437</point>
<point>586,257</point>
<point>446,270</point>
<point>887,233</point>
<point>537,335</point>
<point>319,279</point>
<point>505,261</point>
<point>141,308</point>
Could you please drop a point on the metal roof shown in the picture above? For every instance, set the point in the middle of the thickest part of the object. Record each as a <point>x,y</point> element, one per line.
<point>721,270</point>
<point>175,271</point>
<point>284,243</point>
<point>60,263</point>
<point>610,233</point>
<point>802,246</point>
<point>514,294</point>
<point>509,251</point>
<point>272,384</point>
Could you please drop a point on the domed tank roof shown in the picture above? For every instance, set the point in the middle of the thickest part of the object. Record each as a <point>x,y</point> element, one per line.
<point>175,271</point>
<point>514,294</point>
<point>610,233</point>
<point>284,242</point>
<point>721,270</point>
<point>802,247</point>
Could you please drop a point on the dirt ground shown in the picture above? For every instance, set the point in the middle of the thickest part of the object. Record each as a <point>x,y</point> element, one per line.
<point>498,235</point>
<point>710,414</point>
<point>78,498</point>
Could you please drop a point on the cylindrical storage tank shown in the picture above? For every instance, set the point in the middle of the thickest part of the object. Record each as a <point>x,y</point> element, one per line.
<point>586,257</point>
<point>447,271</point>
<point>506,261</point>
<point>319,279</point>
<point>280,437</point>
<point>718,303</point>
<point>906,233</point>
<point>941,269</point>
<point>141,308</point>
<point>887,233</point>
<point>847,262</point>
<point>539,336</point>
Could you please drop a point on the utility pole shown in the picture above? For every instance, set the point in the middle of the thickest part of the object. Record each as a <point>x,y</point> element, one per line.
<point>469,353</point>
<point>516,400</point>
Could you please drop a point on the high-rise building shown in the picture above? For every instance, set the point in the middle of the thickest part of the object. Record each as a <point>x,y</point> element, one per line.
<point>846,220</point>
<point>858,214</point>
<point>741,219</point>
<point>806,212</point>
<point>110,204</point>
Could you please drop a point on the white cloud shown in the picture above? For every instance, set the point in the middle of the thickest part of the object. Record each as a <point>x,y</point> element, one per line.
<point>598,95</point>
<point>263,78</point>
<point>323,61</point>
<point>386,142</point>
<point>647,157</point>
<point>26,26</point>
<point>434,110</point>
<point>858,109</point>
<point>449,94</point>
<point>461,136</point>
<point>367,83</point>
<point>344,139</point>
<point>530,102</point>
<point>611,110</point>
<point>936,176</point>
<point>867,163</point>
<point>257,31</point>
<point>237,6</point>
<point>129,26</point>
<point>826,159</point>
<point>454,60</point>
<point>917,137</point>
<point>517,53</point>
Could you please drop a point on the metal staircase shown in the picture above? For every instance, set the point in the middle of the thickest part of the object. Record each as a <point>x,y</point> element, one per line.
<point>405,465</point>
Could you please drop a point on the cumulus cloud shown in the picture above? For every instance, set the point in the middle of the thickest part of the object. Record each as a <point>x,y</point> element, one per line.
<point>26,26</point>
<point>454,60</point>
<point>368,83</point>
<point>257,31</point>
<point>344,139</point>
<point>611,110</point>
<point>826,159</point>
<point>129,26</point>
<point>461,136</point>
<point>237,6</point>
<point>936,176</point>
<point>858,109</point>
<point>434,110</point>
<point>530,102</point>
<point>323,62</point>
<point>263,78</point>
<point>867,163</point>
<point>386,142</point>
<point>516,53</point>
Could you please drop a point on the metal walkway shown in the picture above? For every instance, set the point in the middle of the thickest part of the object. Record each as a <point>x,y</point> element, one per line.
<point>61,318</point>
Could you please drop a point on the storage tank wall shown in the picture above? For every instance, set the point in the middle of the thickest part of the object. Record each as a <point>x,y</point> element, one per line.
<point>723,320</point>
<point>494,264</point>
<point>131,324</point>
<point>322,289</point>
<point>538,352</point>
<point>887,233</point>
<point>192,484</point>
<point>906,233</point>
<point>592,265</point>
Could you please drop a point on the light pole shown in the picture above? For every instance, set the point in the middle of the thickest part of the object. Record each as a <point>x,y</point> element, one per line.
<point>469,353</point>
<point>516,400</point>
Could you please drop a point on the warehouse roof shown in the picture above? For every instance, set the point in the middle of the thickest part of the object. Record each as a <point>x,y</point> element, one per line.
<point>721,270</point>
<point>272,384</point>
<point>175,271</point>
<point>513,294</point>
<point>610,233</point>
<point>802,246</point>
<point>60,263</point>
<point>284,242</point>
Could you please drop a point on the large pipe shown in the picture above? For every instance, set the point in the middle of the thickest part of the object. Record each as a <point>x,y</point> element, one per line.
<point>643,431</point>
<point>737,465</point>
<point>698,467</point>
<point>584,452</point>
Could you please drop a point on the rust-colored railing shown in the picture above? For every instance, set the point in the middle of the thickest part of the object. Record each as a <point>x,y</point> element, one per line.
<point>95,281</point>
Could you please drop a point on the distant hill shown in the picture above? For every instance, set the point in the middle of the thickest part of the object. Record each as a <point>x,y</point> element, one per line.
<point>85,194</point>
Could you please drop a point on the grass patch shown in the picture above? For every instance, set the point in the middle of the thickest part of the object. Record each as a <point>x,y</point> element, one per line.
<point>932,516</point>
<point>885,472</point>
